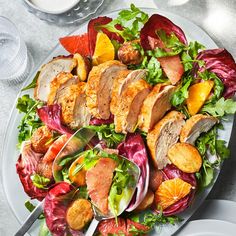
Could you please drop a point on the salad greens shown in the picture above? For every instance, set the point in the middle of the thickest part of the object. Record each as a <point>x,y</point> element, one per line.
<point>213,152</point>
<point>40,181</point>
<point>33,83</point>
<point>108,134</point>
<point>123,185</point>
<point>150,220</point>
<point>30,121</point>
<point>130,20</point>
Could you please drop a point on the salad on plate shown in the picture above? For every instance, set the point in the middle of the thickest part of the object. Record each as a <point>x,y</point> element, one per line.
<point>154,103</point>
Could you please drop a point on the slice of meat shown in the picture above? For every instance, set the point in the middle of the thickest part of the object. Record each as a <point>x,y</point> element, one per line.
<point>154,107</point>
<point>99,180</point>
<point>61,81</point>
<point>196,125</point>
<point>99,86</point>
<point>165,133</point>
<point>71,96</point>
<point>130,103</point>
<point>121,83</point>
<point>173,68</point>
<point>48,72</point>
<point>121,76</point>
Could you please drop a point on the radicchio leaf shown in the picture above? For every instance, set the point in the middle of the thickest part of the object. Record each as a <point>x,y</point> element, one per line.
<point>134,149</point>
<point>96,121</point>
<point>51,117</point>
<point>156,23</point>
<point>56,203</point>
<point>92,32</point>
<point>26,166</point>
<point>171,172</point>
<point>220,62</point>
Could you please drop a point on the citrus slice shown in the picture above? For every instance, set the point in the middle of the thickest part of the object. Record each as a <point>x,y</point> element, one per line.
<point>104,49</point>
<point>171,191</point>
<point>197,95</point>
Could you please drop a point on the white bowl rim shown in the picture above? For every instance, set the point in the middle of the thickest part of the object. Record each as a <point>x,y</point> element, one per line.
<point>51,12</point>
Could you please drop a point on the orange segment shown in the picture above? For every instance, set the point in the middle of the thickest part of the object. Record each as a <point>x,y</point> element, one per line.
<point>104,49</point>
<point>198,94</point>
<point>78,178</point>
<point>171,191</point>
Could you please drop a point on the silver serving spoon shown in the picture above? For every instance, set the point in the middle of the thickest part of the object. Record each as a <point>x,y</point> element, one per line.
<point>98,216</point>
<point>75,143</point>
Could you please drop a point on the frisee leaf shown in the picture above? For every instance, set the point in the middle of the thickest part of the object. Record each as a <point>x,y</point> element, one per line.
<point>40,181</point>
<point>130,20</point>
<point>220,108</point>
<point>33,83</point>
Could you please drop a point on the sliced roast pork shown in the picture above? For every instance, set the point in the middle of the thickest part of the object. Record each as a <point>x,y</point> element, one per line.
<point>164,134</point>
<point>48,72</point>
<point>99,86</point>
<point>99,180</point>
<point>154,107</point>
<point>196,125</point>
<point>130,103</point>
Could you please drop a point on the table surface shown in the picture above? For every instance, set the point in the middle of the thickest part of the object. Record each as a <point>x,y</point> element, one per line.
<point>216,17</point>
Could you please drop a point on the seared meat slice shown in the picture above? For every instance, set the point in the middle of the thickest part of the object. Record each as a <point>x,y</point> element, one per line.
<point>165,133</point>
<point>73,103</point>
<point>99,86</point>
<point>122,81</point>
<point>48,72</point>
<point>60,82</point>
<point>196,125</point>
<point>121,76</point>
<point>129,106</point>
<point>99,180</point>
<point>154,107</point>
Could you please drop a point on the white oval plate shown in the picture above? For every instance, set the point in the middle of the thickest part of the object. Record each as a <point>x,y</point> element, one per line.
<point>216,209</point>
<point>208,228</point>
<point>11,183</point>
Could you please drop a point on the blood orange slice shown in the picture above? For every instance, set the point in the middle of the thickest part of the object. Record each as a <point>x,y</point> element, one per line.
<point>171,191</point>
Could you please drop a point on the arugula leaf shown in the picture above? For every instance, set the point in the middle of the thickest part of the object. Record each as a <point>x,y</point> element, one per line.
<point>194,48</point>
<point>220,108</point>
<point>43,230</point>
<point>222,150</point>
<point>40,181</point>
<point>108,134</point>
<point>181,94</point>
<point>155,73</point>
<point>130,20</point>
<point>33,83</point>
<point>30,121</point>
<point>208,141</point>
<point>30,207</point>
<point>151,220</point>
<point>205,176</point>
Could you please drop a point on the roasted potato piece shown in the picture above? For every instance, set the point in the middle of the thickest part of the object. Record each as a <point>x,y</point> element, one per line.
<point>83,66</point>
<point>186,157</point>
<point>128,55</point>
<point>155,180</point>
<point>40,139</point>
<point>79,214</point>
<point>77,177</point>
<point>147,201</point>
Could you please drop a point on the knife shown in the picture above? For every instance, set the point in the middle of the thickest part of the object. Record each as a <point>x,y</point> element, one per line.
<point>80,138</point>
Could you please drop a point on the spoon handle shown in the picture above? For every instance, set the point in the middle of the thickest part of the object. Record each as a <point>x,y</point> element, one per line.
<point>92,227</point>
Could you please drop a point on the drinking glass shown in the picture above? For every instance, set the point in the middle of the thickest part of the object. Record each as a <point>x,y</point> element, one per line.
<point>14,60</point>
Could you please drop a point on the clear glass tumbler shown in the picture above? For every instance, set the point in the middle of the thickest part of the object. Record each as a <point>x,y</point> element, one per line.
<point>14,61</point>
